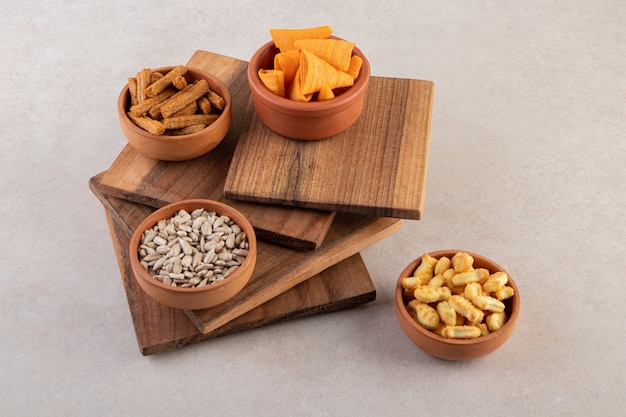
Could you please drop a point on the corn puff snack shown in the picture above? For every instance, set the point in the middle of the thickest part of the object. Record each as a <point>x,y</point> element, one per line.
<point>467,301</point>
<point>167,104</point>
<point>313,65</point>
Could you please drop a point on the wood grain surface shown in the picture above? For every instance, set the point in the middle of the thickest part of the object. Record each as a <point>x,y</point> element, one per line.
<point>159,328</point>
<point>140,179</point>
<point>377,167</point>
<point>279,269</point>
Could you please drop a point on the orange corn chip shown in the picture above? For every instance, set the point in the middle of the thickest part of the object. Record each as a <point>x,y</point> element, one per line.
<point>356,62</point>
<point>315,73</point>
<point>294,91</point>
<point>336,52</point>
<point>326,93</point>
<point>288,62</point>
<point>284,38</point>
<point>274,80</point>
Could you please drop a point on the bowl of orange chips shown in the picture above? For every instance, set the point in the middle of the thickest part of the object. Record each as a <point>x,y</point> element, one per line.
<point>307,84</point>
<point>456,305</point>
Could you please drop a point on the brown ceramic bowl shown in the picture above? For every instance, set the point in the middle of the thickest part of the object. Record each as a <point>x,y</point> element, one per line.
<point>194,298</point>
<point>312,120</point>
<point>456,349</point>
<point>177,148</point>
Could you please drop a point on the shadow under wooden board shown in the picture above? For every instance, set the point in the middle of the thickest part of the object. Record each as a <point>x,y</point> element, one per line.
<point>377,167</point>
<point>159,328</point>
<point>140,179</point>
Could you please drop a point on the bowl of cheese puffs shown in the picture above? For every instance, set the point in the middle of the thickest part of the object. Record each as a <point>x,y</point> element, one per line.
<point>307,84</point>
<point>174,113</point>
<point>456,305</point>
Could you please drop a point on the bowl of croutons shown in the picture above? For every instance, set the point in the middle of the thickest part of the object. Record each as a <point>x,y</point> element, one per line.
<point>174,113</point>
<point>193,254</point>
<point>456,305</point>
<point>307,84</point>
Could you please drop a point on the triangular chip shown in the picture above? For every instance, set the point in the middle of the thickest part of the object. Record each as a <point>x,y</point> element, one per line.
<point>288,62</point>
<point>274,80</point>
<point>325,93</point>
<point>294,91</point>
<point>315,73</point>
<point>284,38</point>
<point>356,62</point>
<point>336,52</point>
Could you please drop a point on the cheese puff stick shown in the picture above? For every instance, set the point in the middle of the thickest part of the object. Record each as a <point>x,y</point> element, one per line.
<point>495,321</point>
<point>447,313</point>
<point>464,307</point>
<point>437,281</point>
<point>473,289</point>
<point>426,316</point>
<point>504,293</point>
<point>475,275</point>
<point>151,126</point>
<point>196,91</point>
<point>485,302</point>
<point>425,269</point>
<point>462,262</point>
<point>165,81</point>
<point>495,281</point>
<point>461,332</point>
<point>428,294</point>
<point>442,265</point>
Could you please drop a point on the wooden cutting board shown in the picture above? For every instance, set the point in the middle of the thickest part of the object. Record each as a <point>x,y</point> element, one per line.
<point>138,178</point>
<point>159,328</point>
<point>278,268</point>
<point>377,167</point>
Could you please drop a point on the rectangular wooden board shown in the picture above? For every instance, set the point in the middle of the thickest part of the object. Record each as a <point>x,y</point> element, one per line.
<point>377,167</point>
<point>140,179</point>
<point>279,268</point>
<point>159,328</point>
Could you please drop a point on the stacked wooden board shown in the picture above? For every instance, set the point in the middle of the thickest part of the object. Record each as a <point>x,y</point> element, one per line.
<point>308,258</point>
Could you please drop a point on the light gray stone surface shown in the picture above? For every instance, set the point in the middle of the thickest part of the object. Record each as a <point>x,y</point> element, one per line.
<point>526,166</point>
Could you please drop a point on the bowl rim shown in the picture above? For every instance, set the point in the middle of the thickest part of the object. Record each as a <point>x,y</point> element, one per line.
<point>123,99</point>
<point>168,211</point>
<point>360,84</point>
<point>511,320</point>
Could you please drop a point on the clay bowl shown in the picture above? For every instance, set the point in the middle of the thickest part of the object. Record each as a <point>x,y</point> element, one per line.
<point>177,148</point>
<point>194,298</point>
<point>312,120</point>
<point>456,349</point>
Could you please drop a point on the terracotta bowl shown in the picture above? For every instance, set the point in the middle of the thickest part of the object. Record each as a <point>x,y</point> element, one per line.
<point>194,298</point>
<point>177,148</point>
<point>312,120</point>
<point>456,349</point>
